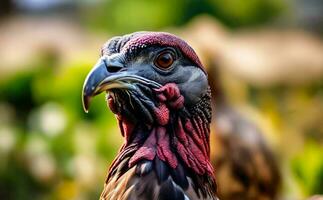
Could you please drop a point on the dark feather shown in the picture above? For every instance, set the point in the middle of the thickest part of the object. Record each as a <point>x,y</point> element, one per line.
<point>162,170</point>
<point>169,191</point>
<point>179,176</point>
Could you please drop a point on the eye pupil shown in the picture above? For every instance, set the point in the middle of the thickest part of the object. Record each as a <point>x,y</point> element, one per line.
<point>164,60</point>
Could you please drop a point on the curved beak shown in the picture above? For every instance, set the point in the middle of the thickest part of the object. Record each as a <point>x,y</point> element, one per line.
<point>101,78</point>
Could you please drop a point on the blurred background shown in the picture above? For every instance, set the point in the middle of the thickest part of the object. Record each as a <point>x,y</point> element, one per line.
<point>267,54</point>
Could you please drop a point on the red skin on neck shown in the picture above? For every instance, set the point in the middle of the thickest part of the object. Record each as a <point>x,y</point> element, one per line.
<point>191,135</point>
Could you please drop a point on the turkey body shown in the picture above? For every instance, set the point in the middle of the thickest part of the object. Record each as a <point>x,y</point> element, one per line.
<point>133,187</point>
<point>246,168</point>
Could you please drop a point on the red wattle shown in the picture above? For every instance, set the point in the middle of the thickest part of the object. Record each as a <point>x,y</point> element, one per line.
<point>163,147</point>
<point>146,151</point>
<point>191,135</point>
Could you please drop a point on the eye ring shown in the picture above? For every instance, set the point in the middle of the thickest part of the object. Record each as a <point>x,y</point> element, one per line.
<point>165,59</point>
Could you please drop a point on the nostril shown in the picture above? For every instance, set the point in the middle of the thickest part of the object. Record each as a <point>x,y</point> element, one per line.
<point>112,68</point>
<point>113,64</point>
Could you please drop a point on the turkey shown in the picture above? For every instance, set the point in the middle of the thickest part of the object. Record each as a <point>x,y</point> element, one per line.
<point>158,90</point>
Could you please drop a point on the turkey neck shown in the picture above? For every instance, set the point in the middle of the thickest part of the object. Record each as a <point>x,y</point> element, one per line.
<point>175,145</point>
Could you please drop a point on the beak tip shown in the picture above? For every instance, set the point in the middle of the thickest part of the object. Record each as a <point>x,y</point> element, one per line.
<point>86,103</point>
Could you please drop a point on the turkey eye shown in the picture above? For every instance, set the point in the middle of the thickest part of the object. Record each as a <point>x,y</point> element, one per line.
<point>164,60</point>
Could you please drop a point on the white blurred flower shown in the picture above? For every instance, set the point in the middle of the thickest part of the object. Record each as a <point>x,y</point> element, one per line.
<point>41,163</point>
<point>84,138</point>
<point>7,139</point>
<point>43,167</point>
<point>49,119</point>
<point>85,170</point>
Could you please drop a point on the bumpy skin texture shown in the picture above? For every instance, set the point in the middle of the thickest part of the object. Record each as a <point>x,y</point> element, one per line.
<point>164,117</point>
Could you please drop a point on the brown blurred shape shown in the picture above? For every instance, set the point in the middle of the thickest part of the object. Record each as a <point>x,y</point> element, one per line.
<point>263,56</point>
<point>244,165</point>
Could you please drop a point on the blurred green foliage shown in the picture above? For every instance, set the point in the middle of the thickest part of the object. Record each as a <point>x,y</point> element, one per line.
<point>128,16</point>
<point>308,168</point>
<point>35,96</point>
<point>296,114</point>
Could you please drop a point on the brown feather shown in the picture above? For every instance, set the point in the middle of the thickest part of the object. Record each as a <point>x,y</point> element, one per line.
<point>131,186</point>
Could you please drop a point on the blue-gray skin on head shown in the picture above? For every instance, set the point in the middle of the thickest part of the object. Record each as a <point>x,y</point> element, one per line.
<point>190,78</point>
